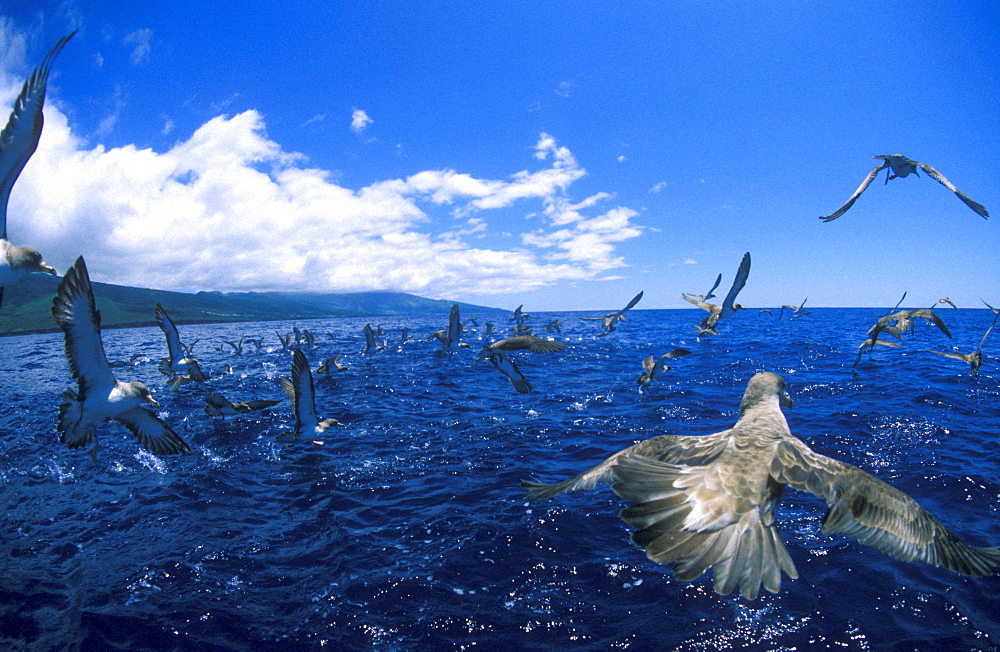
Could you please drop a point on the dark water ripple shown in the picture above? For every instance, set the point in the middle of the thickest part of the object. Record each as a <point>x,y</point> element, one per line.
<point>406,529</point>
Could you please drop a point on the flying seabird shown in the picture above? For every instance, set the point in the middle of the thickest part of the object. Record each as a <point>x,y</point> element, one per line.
<point>300,392</point>
<point>525,343</point>
<point>554,325</point>
<point>507,367</point>
<point>332,364</point>
<point>370,343</point>
<point>870,344</point>
<point>18,142</point>
<point>709,501</point>
<point>948,301</point>
<point>100,396</point>
<point>237,347</point>
<point>974,359</point>
<point>519,316</point>
<point>897,165</point>
<point>220,406</point>
<point>454,333</point>
<point>796,310</point>
<point>898,323</point>
<point>131,362</point>
<point>609,320</point>
<point>176,363</point>
<point>729,305</point>
<point>651,368</point>
<point>710,295</point>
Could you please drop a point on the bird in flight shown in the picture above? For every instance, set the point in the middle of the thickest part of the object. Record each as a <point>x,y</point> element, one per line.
<point>18,142</point>
<point>897,165</point>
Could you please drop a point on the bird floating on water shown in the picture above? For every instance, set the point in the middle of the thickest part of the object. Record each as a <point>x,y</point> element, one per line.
<point>709,501</point>
<point>18,142</point>
<point>100,396</point>
<point>897,165</point>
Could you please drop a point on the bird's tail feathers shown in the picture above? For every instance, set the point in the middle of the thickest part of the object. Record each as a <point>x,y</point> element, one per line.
<point>744,554</point>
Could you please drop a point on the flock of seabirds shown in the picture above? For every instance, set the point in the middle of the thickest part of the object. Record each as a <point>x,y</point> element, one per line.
<point>698,502</point>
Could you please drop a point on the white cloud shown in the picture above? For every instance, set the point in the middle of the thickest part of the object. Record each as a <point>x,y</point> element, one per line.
<point>359,121</point>
<point>659,187</point>
<point>690,261</point>
<point>141,41</point>
<point>228,209</point>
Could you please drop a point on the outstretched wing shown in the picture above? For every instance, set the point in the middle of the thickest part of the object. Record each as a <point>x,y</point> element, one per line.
<point>876,514</point>
<point>676,449</point>
<point>152,434</point>
<point>454,328</point>
<point>718,279</point>
<point>76,314</point>
<point>531,343</point>
<point>20,137</point>
<point>631,303</point>
<point>507,367</point>
<point>175,350</point>
<point>741,279</point>
<point>303,398</point>
<point>857,193</point>
<point>940,178</point>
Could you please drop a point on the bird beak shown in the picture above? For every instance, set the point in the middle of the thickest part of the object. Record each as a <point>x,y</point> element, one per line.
<point>49,269</point>
<point>152,401</point>
<point>786,400</point>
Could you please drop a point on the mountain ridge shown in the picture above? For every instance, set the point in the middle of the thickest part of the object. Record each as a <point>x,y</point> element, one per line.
<point>27,305</point>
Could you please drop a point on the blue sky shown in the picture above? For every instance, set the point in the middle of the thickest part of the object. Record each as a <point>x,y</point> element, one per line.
<point>557,155</point>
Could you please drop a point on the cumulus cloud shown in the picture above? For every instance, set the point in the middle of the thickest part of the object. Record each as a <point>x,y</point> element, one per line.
<point>359,120</point>
<point>229,209</point>
<point>141,42</point>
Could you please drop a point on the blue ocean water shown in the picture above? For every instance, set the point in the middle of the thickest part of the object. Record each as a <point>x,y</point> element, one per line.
<point>407,529</point>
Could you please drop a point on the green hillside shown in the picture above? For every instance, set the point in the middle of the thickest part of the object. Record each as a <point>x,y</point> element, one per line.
<point>27,305</point>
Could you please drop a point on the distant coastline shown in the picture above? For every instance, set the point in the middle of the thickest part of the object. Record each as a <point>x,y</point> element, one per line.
<point>27,306</point>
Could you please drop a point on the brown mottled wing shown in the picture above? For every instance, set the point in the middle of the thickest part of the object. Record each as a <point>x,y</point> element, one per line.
<point>857,193</point>
<point>704,305</point>
<point>940,178</point>
<point>874,513</point>
<point>929,315</point>
<point>695,450</point>
<point>530,343</point>
<point>705,516</point>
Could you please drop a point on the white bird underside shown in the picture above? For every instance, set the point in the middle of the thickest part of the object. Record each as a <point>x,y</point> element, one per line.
<point>18,142</point>
<point>100,396</point>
